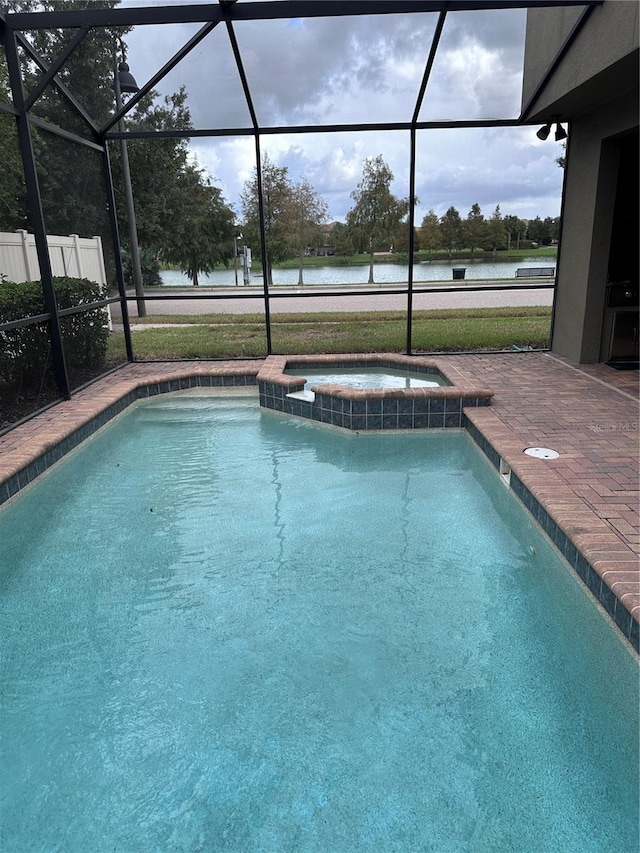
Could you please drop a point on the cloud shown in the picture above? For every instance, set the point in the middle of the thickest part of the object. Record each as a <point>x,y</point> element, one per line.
<point>366,69</point>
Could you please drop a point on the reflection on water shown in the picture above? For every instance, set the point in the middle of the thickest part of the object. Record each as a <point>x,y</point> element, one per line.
<point>383,273</point>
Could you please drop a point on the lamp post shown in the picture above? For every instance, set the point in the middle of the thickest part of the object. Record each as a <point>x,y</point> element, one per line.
<point>123,81</point>
<point>237,236</point>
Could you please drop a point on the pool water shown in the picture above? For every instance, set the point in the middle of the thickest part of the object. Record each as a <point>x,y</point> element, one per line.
<point>358,377</point>
<point>227,630</point>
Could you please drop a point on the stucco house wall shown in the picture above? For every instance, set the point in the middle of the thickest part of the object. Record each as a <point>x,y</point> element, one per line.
<point>595,89</point>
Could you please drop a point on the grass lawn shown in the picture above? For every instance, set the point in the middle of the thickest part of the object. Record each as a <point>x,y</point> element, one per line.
<point>233,335</point>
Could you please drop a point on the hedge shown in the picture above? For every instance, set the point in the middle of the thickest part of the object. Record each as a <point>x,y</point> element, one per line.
<point>25,351</point>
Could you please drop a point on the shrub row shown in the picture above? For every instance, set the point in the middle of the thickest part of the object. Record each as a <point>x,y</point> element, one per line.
<point>25,351</point>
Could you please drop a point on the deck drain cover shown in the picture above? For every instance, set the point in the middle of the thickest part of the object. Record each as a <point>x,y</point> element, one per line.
<point>542,453</point>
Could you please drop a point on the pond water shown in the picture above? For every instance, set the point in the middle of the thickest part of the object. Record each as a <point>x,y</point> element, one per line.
<point>383,273</point>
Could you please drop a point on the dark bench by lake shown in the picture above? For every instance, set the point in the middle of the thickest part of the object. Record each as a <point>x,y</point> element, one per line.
<point>535,272</point>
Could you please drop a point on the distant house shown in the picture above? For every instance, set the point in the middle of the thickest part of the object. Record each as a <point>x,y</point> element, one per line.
<point>328,246</point>
<point>581,67</point>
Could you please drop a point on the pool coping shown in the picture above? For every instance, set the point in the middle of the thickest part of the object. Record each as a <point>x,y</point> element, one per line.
<point>607,567</point>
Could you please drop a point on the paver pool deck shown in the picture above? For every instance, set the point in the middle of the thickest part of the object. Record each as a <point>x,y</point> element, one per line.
<point>587,413</point>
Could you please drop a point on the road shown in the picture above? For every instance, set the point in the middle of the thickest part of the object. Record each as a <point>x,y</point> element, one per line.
<point>245,300</point>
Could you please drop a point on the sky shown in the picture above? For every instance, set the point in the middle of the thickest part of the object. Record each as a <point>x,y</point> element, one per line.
<point>365,69</point>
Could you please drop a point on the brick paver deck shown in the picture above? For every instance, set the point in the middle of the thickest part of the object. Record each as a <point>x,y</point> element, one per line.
<point>588,414</point>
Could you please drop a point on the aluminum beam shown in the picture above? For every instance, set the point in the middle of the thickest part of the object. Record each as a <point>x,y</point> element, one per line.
<point>194,13</point>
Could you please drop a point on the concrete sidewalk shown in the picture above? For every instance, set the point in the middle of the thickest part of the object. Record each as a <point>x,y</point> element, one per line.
<point>299,300</point>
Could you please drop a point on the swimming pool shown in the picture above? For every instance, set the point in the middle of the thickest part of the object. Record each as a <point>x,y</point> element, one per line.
<point>238,631</point>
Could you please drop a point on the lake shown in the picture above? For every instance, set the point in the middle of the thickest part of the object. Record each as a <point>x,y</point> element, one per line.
<point>383,273</point>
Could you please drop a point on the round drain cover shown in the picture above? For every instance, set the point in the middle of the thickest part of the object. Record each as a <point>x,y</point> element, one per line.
<point>542,453</point>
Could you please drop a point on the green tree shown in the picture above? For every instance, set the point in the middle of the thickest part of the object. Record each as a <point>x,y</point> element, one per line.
<point>204,228</point>
<point>553,225</point>
<point>496,235</point>
<point>451,230</point>
<point>88,71</point>
<point>543,232</point>
<point>307,213</point>
<point>474,228</point>
<point>341,239</point>
<point>70,175</point>
<point>13,201</point>
<point>277,192</point>
<point>377,212</point>
<point>515,229</point>
<point>180,216</point>
<point>160,171</point>
<point>401,239</point>
<point>430,233</point>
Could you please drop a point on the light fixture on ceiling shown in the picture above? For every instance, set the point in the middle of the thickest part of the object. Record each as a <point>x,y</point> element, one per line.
<point>545,130</point>
<point>561,133</point>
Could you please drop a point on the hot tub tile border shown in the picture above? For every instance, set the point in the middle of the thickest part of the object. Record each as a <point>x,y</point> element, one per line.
<point>355,409</point>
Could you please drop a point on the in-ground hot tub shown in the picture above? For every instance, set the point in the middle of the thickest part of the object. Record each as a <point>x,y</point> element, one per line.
<point>431,401</point>
<point>364,377</point>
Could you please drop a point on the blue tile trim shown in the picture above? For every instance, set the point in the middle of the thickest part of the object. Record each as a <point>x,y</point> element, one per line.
<point>401,412</point>
<point>585,571</point>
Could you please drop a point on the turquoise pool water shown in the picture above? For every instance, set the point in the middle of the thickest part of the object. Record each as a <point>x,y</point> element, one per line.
<point>358,377</point>
<point>226,630</point>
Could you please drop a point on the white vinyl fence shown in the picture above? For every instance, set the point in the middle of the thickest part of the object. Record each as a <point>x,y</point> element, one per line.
<point>80,257</point>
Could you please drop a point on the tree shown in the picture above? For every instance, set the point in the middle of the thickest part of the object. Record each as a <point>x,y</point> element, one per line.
<point>168,193</point>
<point>342,239</point>
<point>377,213</point>
<point>88,71</point>
<point>180,216</point>
<point>553,225</point>
<point>451,230</point>
<point>70,175</point>
<point>277,193</point>
<point>401,239</point>
<point>474,228</point>
<point>13,201</point>
<point>430,233</point>
<point>308,212</point>
<point>204,228</point>
<point>543,232</point>
<point>496,236</point>
<point>515,229</point>
<point>160,170</point>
